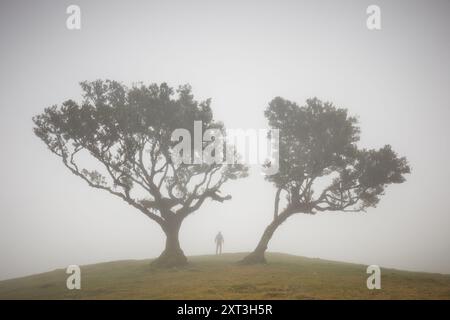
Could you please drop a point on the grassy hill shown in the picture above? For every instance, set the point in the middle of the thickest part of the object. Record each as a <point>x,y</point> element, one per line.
<point>218,277</point>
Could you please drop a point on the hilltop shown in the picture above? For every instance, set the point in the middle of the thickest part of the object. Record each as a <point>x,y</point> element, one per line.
<point>219,277</point>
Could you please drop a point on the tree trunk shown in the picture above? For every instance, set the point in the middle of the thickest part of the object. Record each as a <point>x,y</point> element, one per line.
<point>172,256</point>
<point>257,256</point>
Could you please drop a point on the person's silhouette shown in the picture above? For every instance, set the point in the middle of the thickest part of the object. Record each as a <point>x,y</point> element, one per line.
<point>219,242</point>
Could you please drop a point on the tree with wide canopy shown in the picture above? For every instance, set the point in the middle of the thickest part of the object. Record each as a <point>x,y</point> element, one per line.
<point>321,168</point>
<point>119,140</point>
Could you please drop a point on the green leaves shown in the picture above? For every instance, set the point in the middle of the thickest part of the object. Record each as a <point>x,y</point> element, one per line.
<point>319,141</point>
<point>125,135</point>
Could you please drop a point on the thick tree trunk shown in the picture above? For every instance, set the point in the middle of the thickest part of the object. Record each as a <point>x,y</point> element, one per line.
<point>172,256</point>
<point>257,256</point>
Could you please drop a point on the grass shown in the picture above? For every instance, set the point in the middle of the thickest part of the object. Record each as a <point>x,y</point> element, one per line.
<point>218,277</point>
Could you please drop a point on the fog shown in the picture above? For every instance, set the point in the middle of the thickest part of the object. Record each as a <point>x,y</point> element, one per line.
<point>241,54</point>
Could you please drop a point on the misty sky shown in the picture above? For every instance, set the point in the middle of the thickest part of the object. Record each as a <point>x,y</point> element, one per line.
<point>241,54</point>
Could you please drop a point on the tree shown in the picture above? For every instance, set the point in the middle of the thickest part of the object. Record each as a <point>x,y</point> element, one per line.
<point>119,140</point>
<point>321,168</point>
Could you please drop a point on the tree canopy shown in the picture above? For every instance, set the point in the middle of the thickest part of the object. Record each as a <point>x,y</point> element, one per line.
<point>318,152</point>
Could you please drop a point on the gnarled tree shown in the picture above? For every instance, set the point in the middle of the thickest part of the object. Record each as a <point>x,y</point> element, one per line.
<point>321,168</point>
<point>119,140</point>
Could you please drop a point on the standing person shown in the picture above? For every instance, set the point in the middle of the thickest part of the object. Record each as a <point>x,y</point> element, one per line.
<point>219,242</point>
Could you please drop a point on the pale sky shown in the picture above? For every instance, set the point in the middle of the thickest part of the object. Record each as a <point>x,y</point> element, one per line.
<point>241,54</point>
